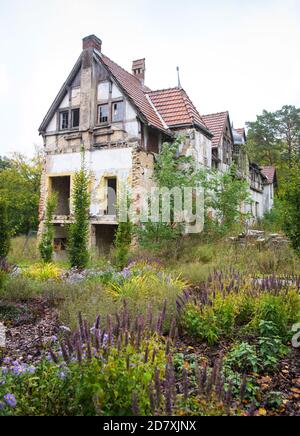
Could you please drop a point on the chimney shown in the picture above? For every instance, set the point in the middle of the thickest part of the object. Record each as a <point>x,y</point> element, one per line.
<point>139,69</point>
<point>92,42</point>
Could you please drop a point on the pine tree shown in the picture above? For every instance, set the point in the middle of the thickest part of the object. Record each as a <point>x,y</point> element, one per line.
<point>46,245</point>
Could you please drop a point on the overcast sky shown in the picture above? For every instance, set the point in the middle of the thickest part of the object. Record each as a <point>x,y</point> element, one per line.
<point>236,55</point>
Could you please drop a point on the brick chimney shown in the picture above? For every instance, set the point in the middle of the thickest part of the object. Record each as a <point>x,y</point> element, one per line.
<point>139,69</point>
<point>91,41</point>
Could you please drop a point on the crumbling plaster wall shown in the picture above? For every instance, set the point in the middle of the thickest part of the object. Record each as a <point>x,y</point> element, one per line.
<point>101,164</point>
<point>197,145</point>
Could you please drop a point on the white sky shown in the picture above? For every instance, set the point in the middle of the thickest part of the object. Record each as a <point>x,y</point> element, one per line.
<point>236,55</point>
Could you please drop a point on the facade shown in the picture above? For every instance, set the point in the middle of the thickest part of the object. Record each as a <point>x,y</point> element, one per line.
<point>121,124</point>
<point>222,142</point>
<point>269,187</point>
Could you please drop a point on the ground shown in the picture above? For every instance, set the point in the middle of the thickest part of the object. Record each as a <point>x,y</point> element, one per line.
<point>35,310</point>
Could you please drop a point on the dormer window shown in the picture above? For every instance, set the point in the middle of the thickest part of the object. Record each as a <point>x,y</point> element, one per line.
<point>64,120</point>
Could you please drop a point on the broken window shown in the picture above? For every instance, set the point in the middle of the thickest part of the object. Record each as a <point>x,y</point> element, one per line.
<point>75,117</point>
<point>111,196</point>
<point>103,113</point>
<point>64,120</point>
<point>117,111</point>
<point>62,186</point>
<point>105,236</point>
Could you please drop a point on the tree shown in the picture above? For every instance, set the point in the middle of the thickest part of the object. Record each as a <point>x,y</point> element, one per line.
<point>4,229</point>
<point>226,196</point>
<point>79,230</point>
<point>171,170</point>
<point>4,163</point>
<point>263,143</point>
<point>275,137</point>
<point>290,198</point>
<point>20,187</point>
<point>288,128</point>
<point>46,245</point>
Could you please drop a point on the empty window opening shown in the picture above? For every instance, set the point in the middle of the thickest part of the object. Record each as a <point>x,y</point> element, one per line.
<point>105,236</point>
<point>75,117</point>
<point>62,186</point>
<point>64,120</point>
<point>111,196</point>
<point>117,111</point>
<point>103,113</point>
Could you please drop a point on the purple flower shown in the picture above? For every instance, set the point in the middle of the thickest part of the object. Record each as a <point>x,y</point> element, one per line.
<point>31,369</point>
<point>54,339</point>
<point>4,369</point>
<point>10,400</point>
<point>6,360</point>
<point>62,375</point>
<point>2,405</point>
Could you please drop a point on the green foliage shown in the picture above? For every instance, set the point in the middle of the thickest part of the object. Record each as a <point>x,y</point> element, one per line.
<point>290,198</point>
<point>79,230</point>
<point>171,170</point>
<point>46,246</point>
<point>273,219</point>
<point>3,279</point>
<point>43,272</point>
<point>23,250</point>
<point>103,386</point>
<point>123,241</point>
<point>243,358</point>
<point>4,229</point>
<point>225,194</point>
<point>229,313</point>
<point>20,188</point>
<point>274,136</point>
<point>201,324</point>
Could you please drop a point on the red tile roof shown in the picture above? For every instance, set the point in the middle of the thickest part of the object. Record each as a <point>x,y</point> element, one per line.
<point>135,90</point>
<point>241,131</point>
<point>269,173</point>
<point>216,124</point>
<point>176,108</point>
<point>162,109</point>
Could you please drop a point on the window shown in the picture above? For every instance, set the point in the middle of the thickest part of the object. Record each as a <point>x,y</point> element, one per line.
<point>111,195</point>
<point>103,113</point>
<point>75,117</point>
<point>64,120</point>
<point>117,111</point>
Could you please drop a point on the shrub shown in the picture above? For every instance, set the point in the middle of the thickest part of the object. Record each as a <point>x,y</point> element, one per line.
<point>231,304</point>
<point>281,310</point>
<point>4,230</point>
<point>46,246</point>
<point>242,358</point>
<point>202,324</point>
<point>43,272</point>
<point>122,243</point>
<point>290,198</point>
